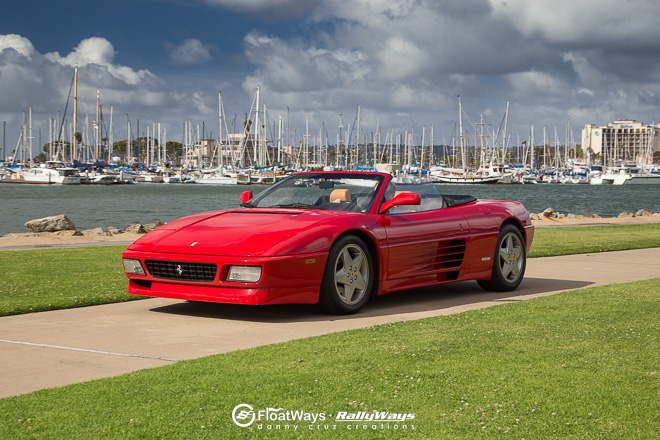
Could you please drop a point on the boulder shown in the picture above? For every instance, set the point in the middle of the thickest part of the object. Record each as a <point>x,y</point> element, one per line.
<point>549,212</point>
<point>50,224</point>
<point>68,233</point>
<point>643,213</point>
<point>133,229</point>
<point>151,226</point>
<point>593,216</point>
<point>98,231</point>
<point>625,214</point>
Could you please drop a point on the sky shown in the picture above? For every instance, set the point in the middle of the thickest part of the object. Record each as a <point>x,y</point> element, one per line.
<point>404,62</point>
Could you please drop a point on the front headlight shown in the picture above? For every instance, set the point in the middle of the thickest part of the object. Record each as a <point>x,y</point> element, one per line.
<point>133,267</point>
<point>244,274</point>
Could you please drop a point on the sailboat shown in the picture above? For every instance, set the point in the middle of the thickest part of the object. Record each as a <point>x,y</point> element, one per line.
<point>485,175</point>
<point>215,176</point>
<point>52,172</point>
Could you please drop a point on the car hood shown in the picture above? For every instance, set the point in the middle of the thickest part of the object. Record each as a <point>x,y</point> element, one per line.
<point>240,232</point>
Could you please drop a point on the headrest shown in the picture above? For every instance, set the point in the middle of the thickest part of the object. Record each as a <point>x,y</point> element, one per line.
<point>340,195</point>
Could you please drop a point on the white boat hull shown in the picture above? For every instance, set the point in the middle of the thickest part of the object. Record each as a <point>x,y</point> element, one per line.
<point>218,181</point>
<point>466,179</point>
<point>643,179</point>
<point>48,176</point>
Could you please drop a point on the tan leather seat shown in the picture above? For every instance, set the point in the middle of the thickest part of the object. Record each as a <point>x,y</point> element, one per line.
<point>340,195</point>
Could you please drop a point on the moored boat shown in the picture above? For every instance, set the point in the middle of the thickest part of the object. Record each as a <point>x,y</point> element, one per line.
<point>45,174</point>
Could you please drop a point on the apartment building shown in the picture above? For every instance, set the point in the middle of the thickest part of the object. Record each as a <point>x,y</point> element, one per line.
<point>621,142</point>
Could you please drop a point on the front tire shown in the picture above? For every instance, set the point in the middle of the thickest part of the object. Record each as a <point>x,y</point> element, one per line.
<point>348,277</point>
<point>509,261</point>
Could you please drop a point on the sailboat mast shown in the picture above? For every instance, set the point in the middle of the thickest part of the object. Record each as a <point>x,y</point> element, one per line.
<point>98,124</point>
<point>504,139</point>
<point>111,137</point>
<point>279,140</point>
<point>460,129</point>
<point>220,153</point>
<point>306,143</point>
<point>30,132</point>
<point>74,144</point>
<point>339,139</point>
<point>128,140</point>
<point>357,139</point>
<point>256,130</point>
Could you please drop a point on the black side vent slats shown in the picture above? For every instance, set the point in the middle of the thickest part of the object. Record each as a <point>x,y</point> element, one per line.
<point>451,253</point>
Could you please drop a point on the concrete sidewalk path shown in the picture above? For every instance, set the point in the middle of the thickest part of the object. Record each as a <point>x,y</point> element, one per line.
<point>49,349</point>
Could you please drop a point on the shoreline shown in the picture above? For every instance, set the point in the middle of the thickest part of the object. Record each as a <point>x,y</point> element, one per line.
<point>29,240</point>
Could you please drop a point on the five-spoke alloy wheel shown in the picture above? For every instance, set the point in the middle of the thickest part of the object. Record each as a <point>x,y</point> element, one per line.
<point>348,278</point>
<point>509,261</point>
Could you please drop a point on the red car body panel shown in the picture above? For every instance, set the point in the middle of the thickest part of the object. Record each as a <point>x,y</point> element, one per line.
<point>291,245</point>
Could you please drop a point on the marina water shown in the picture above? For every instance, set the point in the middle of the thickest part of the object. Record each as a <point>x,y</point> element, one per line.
<point>91,206</point>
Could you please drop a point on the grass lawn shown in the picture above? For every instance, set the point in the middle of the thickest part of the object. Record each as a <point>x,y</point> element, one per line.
<point>581,364</point>
<point>583,239</point>
<point>50,279</point>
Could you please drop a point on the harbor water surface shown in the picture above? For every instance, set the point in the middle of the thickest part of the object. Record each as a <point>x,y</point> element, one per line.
<point>91,206</point>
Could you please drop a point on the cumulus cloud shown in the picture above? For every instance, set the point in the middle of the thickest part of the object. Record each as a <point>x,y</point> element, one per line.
<point>411,56</point>
<point>402,60</point>
<point>93,50</point>
<point>283,8</point>
<point>97,51</point>
<point>20,44</point>
<point>190,51</point>
<point>584,23</point>
<point>42,81</point>
<point>400,57</point>
<point>540,84</point>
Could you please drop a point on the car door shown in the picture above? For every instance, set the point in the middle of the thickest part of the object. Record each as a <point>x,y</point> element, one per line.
<point>423,248</point>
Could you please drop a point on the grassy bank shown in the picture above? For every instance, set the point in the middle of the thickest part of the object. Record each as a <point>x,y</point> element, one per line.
<point>584,239</point>
<point>581,364</point>
<point>51,279</point>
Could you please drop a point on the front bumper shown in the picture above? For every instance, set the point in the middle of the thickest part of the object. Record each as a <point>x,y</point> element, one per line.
<point>284,280</point>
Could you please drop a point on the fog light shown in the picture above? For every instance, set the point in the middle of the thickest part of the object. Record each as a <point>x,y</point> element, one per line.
<point>133,267</point>
<point>244,274</point>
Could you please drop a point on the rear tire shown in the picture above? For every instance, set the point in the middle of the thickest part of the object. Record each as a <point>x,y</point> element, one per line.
<point>509,261</point>
<point>348,277</point>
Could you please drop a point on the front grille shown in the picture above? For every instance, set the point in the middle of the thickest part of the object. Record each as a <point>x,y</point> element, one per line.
<point>182,270</point>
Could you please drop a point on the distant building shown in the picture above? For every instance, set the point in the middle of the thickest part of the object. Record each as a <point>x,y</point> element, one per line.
<point>236,149</point>
<point>621,142</point>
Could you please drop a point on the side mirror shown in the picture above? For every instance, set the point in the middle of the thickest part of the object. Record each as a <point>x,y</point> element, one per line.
<point>401,199</point>
<point>246,196</point>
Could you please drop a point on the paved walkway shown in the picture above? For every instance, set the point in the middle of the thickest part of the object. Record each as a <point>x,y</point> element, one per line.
<point>49,349</point>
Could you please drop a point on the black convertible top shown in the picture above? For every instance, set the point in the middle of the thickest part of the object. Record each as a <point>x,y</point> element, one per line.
<point>456,200</point>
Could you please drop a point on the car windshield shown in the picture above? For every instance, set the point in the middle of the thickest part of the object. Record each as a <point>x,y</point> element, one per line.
<point>354,192</point>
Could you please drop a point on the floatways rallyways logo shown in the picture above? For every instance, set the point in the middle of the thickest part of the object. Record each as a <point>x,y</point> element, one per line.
<point>245,415</point>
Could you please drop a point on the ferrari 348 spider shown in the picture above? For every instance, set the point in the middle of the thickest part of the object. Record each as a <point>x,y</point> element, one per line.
<point>332,238</point>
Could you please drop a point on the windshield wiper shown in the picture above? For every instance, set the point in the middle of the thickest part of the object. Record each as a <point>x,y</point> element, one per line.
<point>247,205</point>
<point>295,206</point>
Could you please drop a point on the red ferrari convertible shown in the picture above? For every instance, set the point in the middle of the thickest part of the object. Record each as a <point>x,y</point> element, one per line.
<point>332,238</point>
